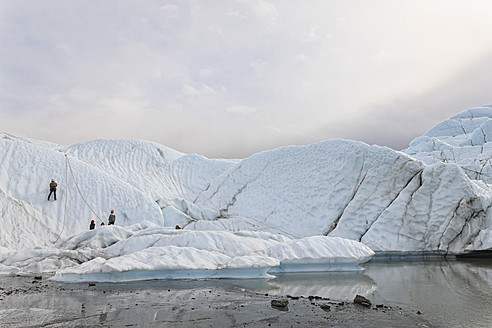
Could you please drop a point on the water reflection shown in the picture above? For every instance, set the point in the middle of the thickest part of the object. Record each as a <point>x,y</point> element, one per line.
<point>455,293</point>
<point>451,293</point>
<point>340,286</point>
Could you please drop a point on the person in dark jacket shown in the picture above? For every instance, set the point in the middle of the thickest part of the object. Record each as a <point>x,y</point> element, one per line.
<point>93,225</point>
<point>111,218</point>
<point>53,185</point>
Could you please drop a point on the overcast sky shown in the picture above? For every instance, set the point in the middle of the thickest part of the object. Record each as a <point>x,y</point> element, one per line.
<point>226,78</point>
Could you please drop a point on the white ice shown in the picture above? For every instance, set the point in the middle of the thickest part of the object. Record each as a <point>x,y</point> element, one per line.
<point>163,253</point>
<point>290,209</point>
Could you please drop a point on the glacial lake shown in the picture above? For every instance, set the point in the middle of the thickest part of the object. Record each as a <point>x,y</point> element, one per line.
<point>449,293</point>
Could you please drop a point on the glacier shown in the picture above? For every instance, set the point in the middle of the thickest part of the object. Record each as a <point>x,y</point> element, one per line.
<point>328,206</point>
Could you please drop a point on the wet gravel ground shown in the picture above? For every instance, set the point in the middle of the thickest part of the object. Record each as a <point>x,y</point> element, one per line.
<point>31,301</point>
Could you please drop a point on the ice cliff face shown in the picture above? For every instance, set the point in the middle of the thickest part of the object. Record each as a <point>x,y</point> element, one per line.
<point>433,197</point>
<point>464,139</point>
<point>384,198</point>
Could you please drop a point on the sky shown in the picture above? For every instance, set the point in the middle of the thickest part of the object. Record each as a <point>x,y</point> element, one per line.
<point>229,78</point>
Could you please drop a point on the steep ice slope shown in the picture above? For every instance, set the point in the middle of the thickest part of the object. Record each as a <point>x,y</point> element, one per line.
<point>138,179</point>
<point>171,178</point>
<point>158,171</point>
<point>26,169</point>
<point>303,190</point>
<point>22,224</point>
<point>387,199</point>
<point>466,140</point>
<point>440,210</point>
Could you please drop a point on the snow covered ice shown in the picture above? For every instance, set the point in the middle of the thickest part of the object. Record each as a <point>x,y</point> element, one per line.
<point>163,253</point>
<point>326,206</point>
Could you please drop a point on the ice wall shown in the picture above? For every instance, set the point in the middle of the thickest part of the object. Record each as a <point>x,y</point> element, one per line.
<point>26,170</point>
<point>384,198</point>
<point>433,197</point>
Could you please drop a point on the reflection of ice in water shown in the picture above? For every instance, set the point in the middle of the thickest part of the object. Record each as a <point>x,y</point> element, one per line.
<point>454,293</point>
<point>449,293</point>
<point>342,286</point>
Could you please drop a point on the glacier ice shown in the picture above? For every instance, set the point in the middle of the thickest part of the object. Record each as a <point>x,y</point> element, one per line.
<point>318,207</point>
<point>165,253</point>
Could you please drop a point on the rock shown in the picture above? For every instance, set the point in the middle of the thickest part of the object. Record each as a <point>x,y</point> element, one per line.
<point>280,303</point>
<point>38,278</point>
<point>325,307</point>
<point>92,284</point>
<point>362,300</point>
<point>316,298</point>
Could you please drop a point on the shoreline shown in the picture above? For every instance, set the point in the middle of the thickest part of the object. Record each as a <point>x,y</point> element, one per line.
<point>34,301</point>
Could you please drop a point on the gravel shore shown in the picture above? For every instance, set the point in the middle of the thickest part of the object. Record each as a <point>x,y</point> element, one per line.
<point>31,301</point>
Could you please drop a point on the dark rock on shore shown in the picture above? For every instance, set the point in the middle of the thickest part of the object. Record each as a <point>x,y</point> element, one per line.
<point>280,303</point>
<point>359,299</point>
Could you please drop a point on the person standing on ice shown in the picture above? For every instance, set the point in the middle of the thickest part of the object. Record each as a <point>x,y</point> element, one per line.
<point>111,218</point>
<point>53,185</point>
<point>92,226</point>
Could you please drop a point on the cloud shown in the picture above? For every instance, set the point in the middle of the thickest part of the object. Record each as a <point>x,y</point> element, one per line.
<point>241,109</point>
<point>311,35</point>
<point>267,12</point>
<point>192,91</point>
<point>206,72</point>
<point>395,122</point>
<point>170,8</point>
<point>230,78</point>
